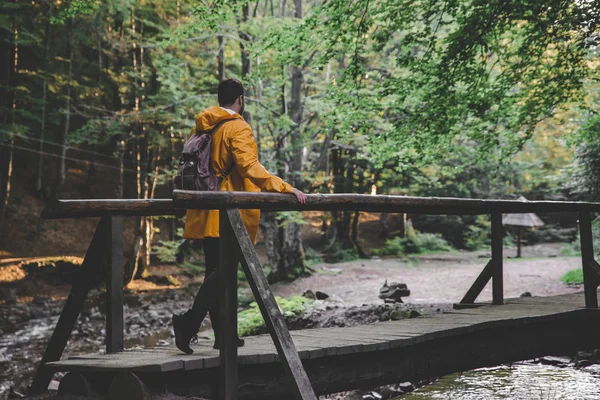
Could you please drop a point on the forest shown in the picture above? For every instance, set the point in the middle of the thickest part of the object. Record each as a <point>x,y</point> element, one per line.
<point>473,98</point>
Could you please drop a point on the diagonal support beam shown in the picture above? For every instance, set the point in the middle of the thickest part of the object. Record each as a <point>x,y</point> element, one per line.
<point>91,274</point>
<point>590,266</point>
<point>270,310</point>
<point>482,280</point>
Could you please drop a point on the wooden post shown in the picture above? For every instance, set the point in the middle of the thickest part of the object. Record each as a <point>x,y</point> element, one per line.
<point>114,286</point>
<point>91,274</point>
<point>590,278</point>
<point>519,242</point>
<point>269,309</point>
<point>228,379</point>
<point>497,279</point>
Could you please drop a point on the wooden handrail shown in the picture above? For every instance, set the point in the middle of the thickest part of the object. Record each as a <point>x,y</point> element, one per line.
<point>183,199</point>
<point>109,208</point>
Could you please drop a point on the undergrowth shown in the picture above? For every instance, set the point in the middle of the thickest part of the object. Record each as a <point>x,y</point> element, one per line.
<point>250,321</point>
<point>573,277</point>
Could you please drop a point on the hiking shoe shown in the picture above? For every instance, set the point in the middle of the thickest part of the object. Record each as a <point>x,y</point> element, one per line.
<point>183,332</point>
<point>240,342</point>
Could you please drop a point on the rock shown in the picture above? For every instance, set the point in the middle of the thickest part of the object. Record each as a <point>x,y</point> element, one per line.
<point>371,396</point>
<point>583,363</point>
<point>555,361</point>
<point>412,314</point>
<point>389,392</point>
<point>321,295</point>
<point>9,295</point>
<point>406,387</point>
<point>526,294</point>
<point>53,385</point>
<point>309,294</point>
<point>396,315</point>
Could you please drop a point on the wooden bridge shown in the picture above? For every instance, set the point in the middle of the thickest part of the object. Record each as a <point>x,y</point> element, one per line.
<point>304,363</point>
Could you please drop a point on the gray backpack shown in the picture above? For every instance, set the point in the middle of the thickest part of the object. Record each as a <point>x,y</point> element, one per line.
<point>194,172</point>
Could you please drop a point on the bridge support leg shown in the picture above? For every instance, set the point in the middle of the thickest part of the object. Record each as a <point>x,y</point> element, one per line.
<point>497,269</point>
<point>269,309</point>
<point>92,273</point>
<point>228,262</point>
<point>591,270</point>
<point>114,286</point>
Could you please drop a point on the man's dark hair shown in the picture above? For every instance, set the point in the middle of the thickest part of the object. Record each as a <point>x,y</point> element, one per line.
<point>229,90</point>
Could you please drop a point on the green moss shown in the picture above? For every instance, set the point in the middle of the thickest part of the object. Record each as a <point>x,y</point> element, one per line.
<point>573,277</point>
<point>250,321</point>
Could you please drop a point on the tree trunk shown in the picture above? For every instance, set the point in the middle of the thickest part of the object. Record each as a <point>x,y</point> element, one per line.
<point>221,60</point>
<point>270,231</point>
<point>40,170</point>
<point>284,243</point>
<point>6,150</point>
<point>62,168</point>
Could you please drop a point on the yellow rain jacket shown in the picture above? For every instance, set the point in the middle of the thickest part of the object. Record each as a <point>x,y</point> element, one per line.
<point>233,143</point>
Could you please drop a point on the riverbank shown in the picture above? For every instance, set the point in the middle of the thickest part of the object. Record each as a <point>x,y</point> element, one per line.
<point>435,281</point>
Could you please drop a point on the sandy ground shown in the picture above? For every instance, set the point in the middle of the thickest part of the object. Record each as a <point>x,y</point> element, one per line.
<point>443,278</point>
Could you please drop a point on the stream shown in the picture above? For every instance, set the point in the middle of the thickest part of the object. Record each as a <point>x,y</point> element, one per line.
<point>526,381</point>
<point>26,329</point>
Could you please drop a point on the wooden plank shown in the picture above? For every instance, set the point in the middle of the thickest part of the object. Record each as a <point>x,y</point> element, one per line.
<point>91,272</point>
<point>380,203</point>
<point>228,370</point>
<point>482,280</point>
<point>269,308</point>
<point>114,286</point>
<point>109,207</point>
<point>590,280</point>
<point>497,271</point>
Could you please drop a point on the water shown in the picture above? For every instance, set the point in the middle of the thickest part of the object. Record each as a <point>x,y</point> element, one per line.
<point>522,381</point>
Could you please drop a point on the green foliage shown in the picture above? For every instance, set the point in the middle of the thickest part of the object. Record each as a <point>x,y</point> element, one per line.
<point>574,248</point>
<point>414,244</point>
<point>166,251</point>
<point>573,277</point>
<point>478,234</point>
<point>312,256</point>
<point>337,253</point>
<point>250,321</point>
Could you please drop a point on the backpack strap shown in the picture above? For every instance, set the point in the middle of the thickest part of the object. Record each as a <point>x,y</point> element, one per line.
<point>211,133</point>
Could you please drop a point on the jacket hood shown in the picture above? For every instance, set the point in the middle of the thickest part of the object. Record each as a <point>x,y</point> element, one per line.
<point>207,119</point>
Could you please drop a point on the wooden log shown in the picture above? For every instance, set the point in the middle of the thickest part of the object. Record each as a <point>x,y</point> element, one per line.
<point>326,202</point>
<point>276,326</point>
<point>482,280</point>
<point>228,261</point>
<point>127,386</point>
<point>114,286</point>
<point>92,272</point>
<point>108,207</point>
<point>363,202</point>
<point>497,270</point>
<point>590,278</point>
<point>74,384</point>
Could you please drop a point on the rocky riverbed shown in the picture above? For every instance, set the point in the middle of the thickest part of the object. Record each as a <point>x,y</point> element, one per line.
<point>28,319</point>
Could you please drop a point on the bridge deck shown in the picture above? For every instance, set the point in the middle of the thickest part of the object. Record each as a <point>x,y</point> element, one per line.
<point>317,343</point>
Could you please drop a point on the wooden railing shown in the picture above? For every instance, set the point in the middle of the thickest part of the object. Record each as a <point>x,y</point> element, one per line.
<point>104,260</point>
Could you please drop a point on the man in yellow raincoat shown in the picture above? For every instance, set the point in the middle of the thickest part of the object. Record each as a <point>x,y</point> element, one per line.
<point>233,149</point>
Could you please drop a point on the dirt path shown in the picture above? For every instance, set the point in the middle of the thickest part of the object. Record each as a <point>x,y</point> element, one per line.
<point>440,278</point>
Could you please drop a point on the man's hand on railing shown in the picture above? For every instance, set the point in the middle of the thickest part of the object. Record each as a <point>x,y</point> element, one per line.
<point>301,197</point>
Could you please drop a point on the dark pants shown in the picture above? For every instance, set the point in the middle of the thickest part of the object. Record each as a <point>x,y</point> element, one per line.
<point>207,297</point>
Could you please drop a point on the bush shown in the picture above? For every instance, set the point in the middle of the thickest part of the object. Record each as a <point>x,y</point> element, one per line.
<point>250,321</point>
<point>337,254</point>
<point>478,234</point>
<point>312,256</point>
<point>167,251</point>
<point>574,248</point>
<point>573,277</point>
<point>414,244</point>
